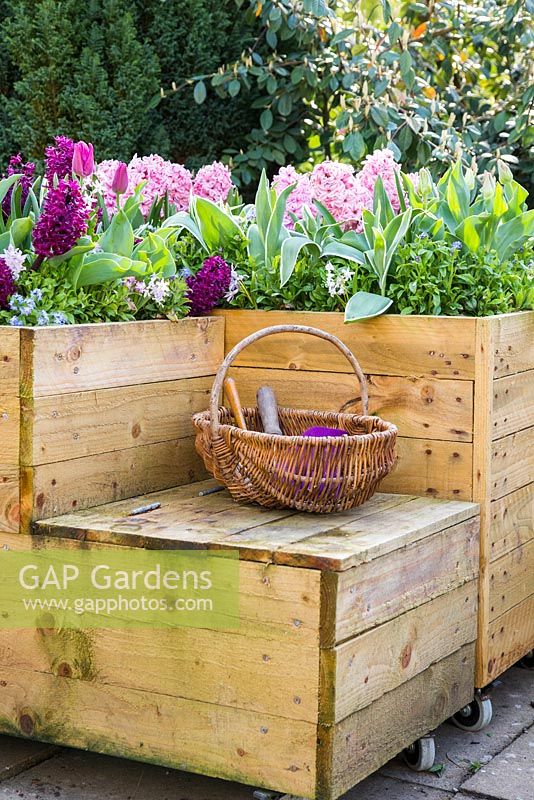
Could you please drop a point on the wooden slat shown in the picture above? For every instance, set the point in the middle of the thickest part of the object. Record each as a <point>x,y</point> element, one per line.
<point>61,427</point>
<point>52,489</point>
<point>9,361</point>
<point>513,409</point>
<point>442,347</point>
<point>371,536</point>
<point>420,407</point>
<point>511,636</point>
<point>481,485</point>
<point>511,579</point>
<point>512,521</point>
<point>275,671</point>
<point>210,739</point>
<point>432,468</point>
<point>333,541</point>
<point>512,463</point>
<point>366,740</point>
<point>74,358</point>
<point>274,601</point>
<point>513,343</point>
<point>377,591</point>
<point>9,429</point>
<point>9,498</point>
<point>382,659</point>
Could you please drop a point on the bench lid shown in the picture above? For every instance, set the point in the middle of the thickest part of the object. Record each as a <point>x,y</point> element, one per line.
<point>187,520</point>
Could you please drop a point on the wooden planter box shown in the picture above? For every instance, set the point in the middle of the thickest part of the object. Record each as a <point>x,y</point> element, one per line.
<point>356,637</point>
<point>95,413</point>
<point>461,392</point>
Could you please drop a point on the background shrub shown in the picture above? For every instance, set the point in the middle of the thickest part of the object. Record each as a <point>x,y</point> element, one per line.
<point>267,82</point>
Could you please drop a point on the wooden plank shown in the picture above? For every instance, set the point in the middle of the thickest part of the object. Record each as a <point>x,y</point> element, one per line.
<point>74,358</point>
<point>275,602</point>
<point>432,468</point>
<point>512,463</point>
<point>199,737</point>
<point>513,343</point>
<point>511,636</point>
<point>511,579</point>
<point>379,590</point>
<point>52,489</point>
<point>512,521</point>
<point>65,426</point>
<point>481,481</point>
<point>371,536</point>
<point>334,541</point>
<point>366,740</point>
<point>382,659</point>
<point>441,347</point>
<point>421,407</point>
<point>272,672</point>
<point>9,361</point>
<point>513,409</point>
<point>9,498</point>
<point>9,429</point>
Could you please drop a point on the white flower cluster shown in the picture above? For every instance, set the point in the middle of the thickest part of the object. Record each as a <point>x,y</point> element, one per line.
<point>338,279</point>
<point>14,259</point>
<point>156,289</point>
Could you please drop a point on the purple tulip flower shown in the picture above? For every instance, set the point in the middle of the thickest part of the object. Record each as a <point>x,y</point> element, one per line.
<point>119,184</point>
<point>83,161</point>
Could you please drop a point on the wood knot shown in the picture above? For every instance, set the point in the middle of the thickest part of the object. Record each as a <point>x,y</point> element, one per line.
<point>74,353</point>
<point>406,655</point>
<point>64,670</point>
<point>136,430</point>
<point>26,724</point>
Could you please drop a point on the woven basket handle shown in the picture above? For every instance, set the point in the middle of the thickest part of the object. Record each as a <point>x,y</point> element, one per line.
<point>254,337</point>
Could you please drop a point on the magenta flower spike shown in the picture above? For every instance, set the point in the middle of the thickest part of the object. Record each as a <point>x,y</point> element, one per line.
<point>119,184</point>
<point>83,160</point>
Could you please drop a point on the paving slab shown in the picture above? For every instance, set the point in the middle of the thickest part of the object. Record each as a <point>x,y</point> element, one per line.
<point>17,755</point>
<point>378,787</point>
<point>461,752</point>
<point>78,775</point>
<point>510,775</point>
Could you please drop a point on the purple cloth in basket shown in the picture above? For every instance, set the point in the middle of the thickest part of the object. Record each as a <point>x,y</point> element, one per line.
<point>320,431</point>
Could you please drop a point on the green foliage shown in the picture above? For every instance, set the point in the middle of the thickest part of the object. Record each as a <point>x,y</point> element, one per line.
<point>82,70</point>
<point>430,80</point>
<point>195,36</point>
<point>433,278</point>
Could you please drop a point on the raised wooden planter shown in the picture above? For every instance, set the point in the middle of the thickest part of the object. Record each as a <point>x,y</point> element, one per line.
<point>95,413</point>
<point>461,392</point>
<point>356,637</point>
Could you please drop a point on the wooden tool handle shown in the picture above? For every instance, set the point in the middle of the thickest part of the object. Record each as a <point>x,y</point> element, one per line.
<point>230,390</point>
<point>268,410</point>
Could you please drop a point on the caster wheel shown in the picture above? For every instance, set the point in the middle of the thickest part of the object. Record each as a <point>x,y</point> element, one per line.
<point>420,756</point>
<point>475,716</point>
<point>527,662</point>
<point>265,794</point>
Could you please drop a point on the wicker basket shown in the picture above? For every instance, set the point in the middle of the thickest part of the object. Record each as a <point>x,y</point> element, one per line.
<point>294,471</point>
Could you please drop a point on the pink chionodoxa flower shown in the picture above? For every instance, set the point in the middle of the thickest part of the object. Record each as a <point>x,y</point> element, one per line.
<point>334,185</point>
<point>300,196</point>
<point>213,182</point>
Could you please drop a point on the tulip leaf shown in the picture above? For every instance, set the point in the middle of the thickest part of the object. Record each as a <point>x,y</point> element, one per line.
<point>216,226</point>
<point>364,305</point>
<point>289,254</point>
<point>119,237</point>
<point>158,254</point>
